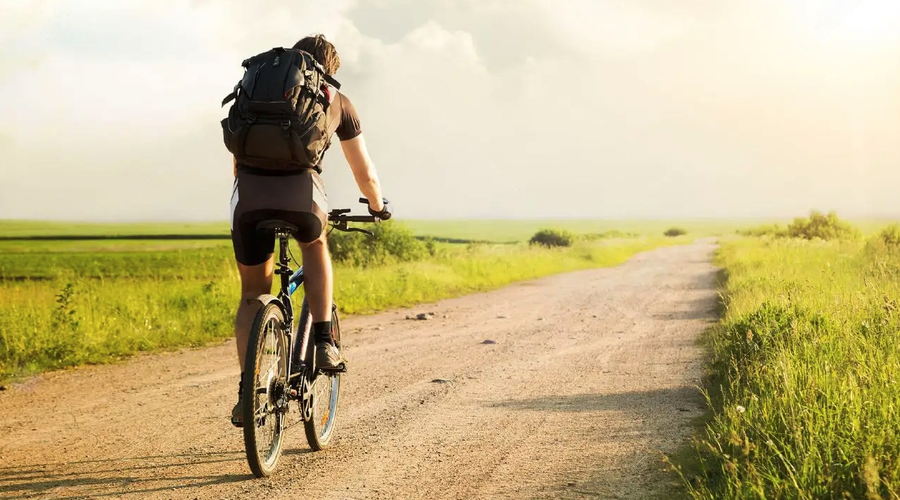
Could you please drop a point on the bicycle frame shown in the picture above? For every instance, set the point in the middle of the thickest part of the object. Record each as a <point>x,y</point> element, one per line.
<point>299,379</point>
<point>301,359</point>
<point>290,282</point>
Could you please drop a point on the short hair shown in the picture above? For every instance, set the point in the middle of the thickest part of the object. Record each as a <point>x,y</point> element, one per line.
<point>322,50</point>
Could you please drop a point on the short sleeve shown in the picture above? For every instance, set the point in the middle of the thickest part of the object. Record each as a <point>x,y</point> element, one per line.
<point>349,126</point>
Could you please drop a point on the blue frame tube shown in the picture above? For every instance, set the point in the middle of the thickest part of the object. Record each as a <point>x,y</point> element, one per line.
<point>295,281</point>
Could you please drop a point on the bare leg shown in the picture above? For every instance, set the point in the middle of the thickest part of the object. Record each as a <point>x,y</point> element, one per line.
<point>255,281</point>
<point>318,284</point>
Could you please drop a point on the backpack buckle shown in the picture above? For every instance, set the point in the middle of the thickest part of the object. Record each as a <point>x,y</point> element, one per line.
<point>285,124</point>
<point>251,118</point>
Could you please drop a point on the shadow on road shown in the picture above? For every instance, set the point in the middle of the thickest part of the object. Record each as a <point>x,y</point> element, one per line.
<point>115,477</point>
<point>683,398</point>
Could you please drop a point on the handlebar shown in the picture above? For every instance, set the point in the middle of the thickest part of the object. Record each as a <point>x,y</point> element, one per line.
<point>339,219</point>
<point>352,218</point>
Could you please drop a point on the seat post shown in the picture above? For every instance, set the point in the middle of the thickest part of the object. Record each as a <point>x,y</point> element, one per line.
<point>283,267</point>
<point>283,231</point>
<point>284,240</point>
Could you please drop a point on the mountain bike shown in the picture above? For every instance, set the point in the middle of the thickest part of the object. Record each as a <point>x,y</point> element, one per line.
<point>281,370</point>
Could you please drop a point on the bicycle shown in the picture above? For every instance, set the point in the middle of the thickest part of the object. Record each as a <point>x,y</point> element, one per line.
<point>291,374</point>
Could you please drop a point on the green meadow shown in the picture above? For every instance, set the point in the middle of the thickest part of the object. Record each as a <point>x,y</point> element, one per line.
<point>490,230</point>
<point>105,296</point>
<point>27,228</point>
<point>499,230</point>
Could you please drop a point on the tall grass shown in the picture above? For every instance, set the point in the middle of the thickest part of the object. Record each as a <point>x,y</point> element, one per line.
<point>805,374</point>
<point>60,309</point>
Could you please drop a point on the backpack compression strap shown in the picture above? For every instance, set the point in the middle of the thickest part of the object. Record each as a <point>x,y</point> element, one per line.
<point>230,97</point>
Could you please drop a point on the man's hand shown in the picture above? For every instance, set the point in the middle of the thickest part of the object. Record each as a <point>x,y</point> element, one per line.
<point>235,165</point>
<point>383,213</point>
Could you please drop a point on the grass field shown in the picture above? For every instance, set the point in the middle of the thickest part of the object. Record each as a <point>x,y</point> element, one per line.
<point>805,373</point>
<point>481,230</point>
<point>24,228</point>
<point>103,246</point>
<point>521,230</point>
<point>496,230</point>
<point>66,303</point>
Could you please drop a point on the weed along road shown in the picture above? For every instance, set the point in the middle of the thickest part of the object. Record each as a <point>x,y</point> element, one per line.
<point>565,387</point>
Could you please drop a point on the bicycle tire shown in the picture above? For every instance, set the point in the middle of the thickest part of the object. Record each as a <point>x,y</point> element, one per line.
<point>319,430</point>
<point>267,337</point>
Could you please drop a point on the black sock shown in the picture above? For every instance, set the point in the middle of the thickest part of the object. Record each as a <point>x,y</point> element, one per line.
<point>322,332</point>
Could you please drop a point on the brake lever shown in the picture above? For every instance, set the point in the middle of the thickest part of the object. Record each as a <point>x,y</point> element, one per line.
<point>359,230</point>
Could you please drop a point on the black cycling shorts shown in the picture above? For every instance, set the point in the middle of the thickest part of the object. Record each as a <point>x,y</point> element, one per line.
<point>297,198</point>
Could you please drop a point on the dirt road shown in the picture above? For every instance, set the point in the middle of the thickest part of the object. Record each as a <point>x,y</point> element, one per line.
<point>591,377</point>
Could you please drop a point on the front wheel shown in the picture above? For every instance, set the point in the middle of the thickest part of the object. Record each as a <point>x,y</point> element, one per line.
<point>324,393</point>
<point>264,390</point>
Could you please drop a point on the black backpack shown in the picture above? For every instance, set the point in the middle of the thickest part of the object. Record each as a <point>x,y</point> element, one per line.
<point>278,120</point>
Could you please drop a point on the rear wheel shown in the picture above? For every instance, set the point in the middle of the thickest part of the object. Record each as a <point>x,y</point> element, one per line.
<point>324,393</point>
<point>264,391</point>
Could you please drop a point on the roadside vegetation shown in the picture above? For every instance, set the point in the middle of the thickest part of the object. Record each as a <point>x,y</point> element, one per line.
<point>817,226</point>
<point>805,367</point>
<point>62,304</point>
<point>553,238</point>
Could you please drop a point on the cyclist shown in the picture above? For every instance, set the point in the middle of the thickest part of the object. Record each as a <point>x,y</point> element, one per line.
<point>297,197</point>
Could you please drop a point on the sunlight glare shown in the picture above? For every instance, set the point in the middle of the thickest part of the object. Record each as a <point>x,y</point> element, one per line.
<point>869,24</point>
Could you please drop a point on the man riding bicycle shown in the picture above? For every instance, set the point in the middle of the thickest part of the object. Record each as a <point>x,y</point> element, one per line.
<point>297,196</point>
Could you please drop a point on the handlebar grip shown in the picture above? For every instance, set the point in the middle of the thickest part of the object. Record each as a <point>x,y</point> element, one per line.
<point>364,201</point>
<point>358,218</point>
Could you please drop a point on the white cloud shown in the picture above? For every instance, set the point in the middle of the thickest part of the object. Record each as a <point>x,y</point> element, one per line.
<point>470,107</point>
<point>613,28</point>
<point>243,27</point>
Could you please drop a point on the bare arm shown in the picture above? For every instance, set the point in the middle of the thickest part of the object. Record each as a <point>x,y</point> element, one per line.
<point>363,170</point>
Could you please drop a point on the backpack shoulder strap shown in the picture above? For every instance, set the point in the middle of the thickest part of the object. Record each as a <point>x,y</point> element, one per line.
<point>331,81</point>
<point>328,78</point>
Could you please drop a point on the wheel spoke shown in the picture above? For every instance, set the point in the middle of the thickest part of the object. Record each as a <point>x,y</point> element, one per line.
<point>263,410</point>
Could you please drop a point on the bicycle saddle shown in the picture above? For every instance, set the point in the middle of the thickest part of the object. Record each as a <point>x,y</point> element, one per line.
<point>276,225</point>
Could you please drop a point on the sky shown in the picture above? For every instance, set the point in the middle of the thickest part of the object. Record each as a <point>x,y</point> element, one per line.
<point>610,109</point>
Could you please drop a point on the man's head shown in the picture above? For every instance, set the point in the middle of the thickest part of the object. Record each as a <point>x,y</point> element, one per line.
<point>322,50</point>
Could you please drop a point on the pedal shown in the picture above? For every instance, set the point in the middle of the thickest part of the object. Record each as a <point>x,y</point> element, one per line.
<point>341,368</point>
